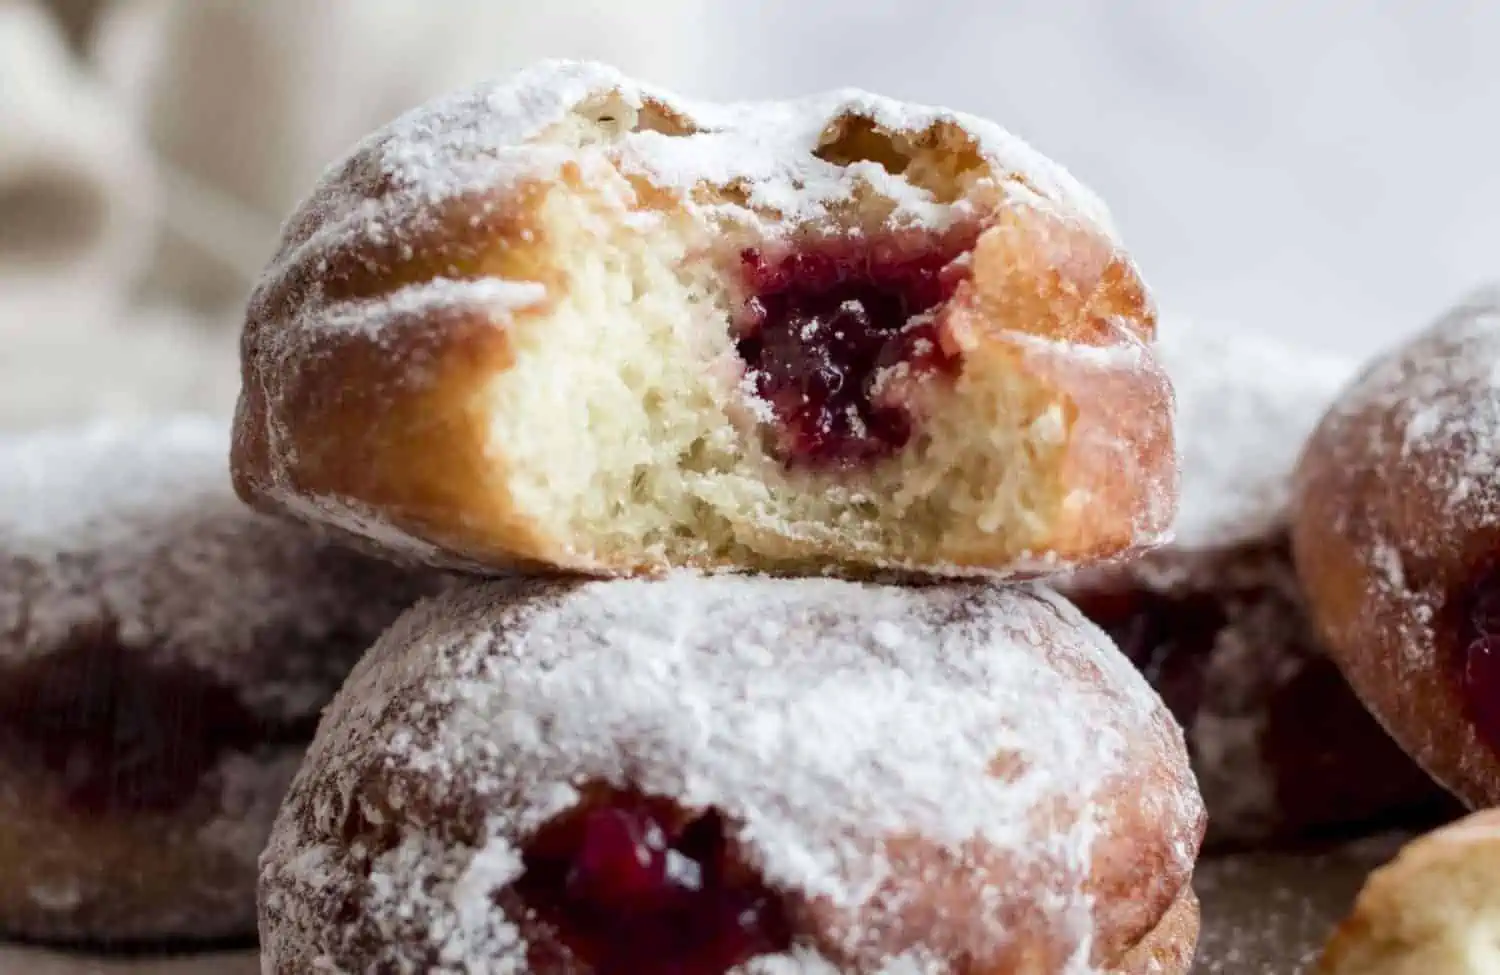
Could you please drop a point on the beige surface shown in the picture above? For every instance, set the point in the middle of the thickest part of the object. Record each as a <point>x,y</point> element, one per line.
<point>1263,914</point>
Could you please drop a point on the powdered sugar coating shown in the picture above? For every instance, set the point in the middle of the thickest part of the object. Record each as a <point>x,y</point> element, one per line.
<point>1245,406</point>
<point>484,143</point>
<point>489,138</point>
<point>1442,397</point>
<point>874,748</point>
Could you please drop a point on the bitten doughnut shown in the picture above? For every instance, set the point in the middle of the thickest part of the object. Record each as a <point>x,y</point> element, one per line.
<point>1396,536</point>
<point>1434,910</point>
<point>702,775</point>
<point>164,653</point>
<point>569,320</point>
<point>1217,620</point>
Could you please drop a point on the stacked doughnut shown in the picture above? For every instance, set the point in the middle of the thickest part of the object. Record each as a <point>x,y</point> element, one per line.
<point>762,421</point>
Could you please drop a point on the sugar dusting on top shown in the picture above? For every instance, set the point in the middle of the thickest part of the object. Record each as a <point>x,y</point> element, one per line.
<point>1443,396</point>
<point>757,159</point>
<point>822,718</point>
<point>1245,406</point>
<point>494,136</point>
<point>493,296</point>
<point>135,525</point>
<point>1427,417</point>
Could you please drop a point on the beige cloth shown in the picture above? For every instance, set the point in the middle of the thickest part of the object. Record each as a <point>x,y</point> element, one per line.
<point>150,148</point>
<point>247,103</point>
<point>77,192</point>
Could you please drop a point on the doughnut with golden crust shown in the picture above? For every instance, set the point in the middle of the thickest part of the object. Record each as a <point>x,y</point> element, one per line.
<point>1396,536</point>
<point>737,773</point>
<point>570,320</point>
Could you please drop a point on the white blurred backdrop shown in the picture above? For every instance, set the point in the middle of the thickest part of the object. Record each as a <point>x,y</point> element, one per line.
<point>1325,173</point>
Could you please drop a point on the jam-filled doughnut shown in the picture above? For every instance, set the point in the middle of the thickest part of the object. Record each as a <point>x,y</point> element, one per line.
<point>1433,909</point>
<point>1217,620</point>
<point>164,653</point>
<point>703,774</point>
<point>571,320</point>
<point>1397,534</point>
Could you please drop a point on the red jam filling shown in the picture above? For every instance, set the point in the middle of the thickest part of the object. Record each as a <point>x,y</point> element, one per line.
<point>820,327</point>
<point>632,887</point>
<point>1479,659</point>
<point>118,736</point>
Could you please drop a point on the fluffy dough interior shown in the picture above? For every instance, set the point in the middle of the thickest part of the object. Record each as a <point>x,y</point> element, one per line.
<point>625,421</point>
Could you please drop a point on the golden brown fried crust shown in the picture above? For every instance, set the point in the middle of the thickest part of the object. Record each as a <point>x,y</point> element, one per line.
<point>358,422</point>
<point>1169,948</point>
<point>393,421</point>
<point>390,422</point>
<point>1385,553</point>
<point>396,423</point>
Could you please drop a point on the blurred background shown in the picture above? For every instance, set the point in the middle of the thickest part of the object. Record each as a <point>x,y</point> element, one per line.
<point>1327,173</point>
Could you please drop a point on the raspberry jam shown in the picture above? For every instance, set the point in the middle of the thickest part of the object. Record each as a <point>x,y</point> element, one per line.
<point>1479,657</point>
<point>632,887</point>
<point>118,736</point>
<point>820,327</point>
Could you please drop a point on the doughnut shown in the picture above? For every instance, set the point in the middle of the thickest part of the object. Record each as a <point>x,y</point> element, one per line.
<point>570,321</point>
<point>1433,910</point>
<point>1217,621</point>
<point>1395,537</point>
<point>164,654</point>
<point>704,774</point>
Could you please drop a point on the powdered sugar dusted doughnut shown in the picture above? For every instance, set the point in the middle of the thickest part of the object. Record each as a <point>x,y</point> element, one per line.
<point>164,653</point>
<point>574,320</point>
<point>1397,533</point>
<point>736,773</point>
<point>1217,620</point>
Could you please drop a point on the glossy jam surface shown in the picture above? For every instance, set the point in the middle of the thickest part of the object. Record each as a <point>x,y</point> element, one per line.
<point>632,887</point>
<point>822,325</point>
<point>1479,659</point>
<point>117,735</point>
